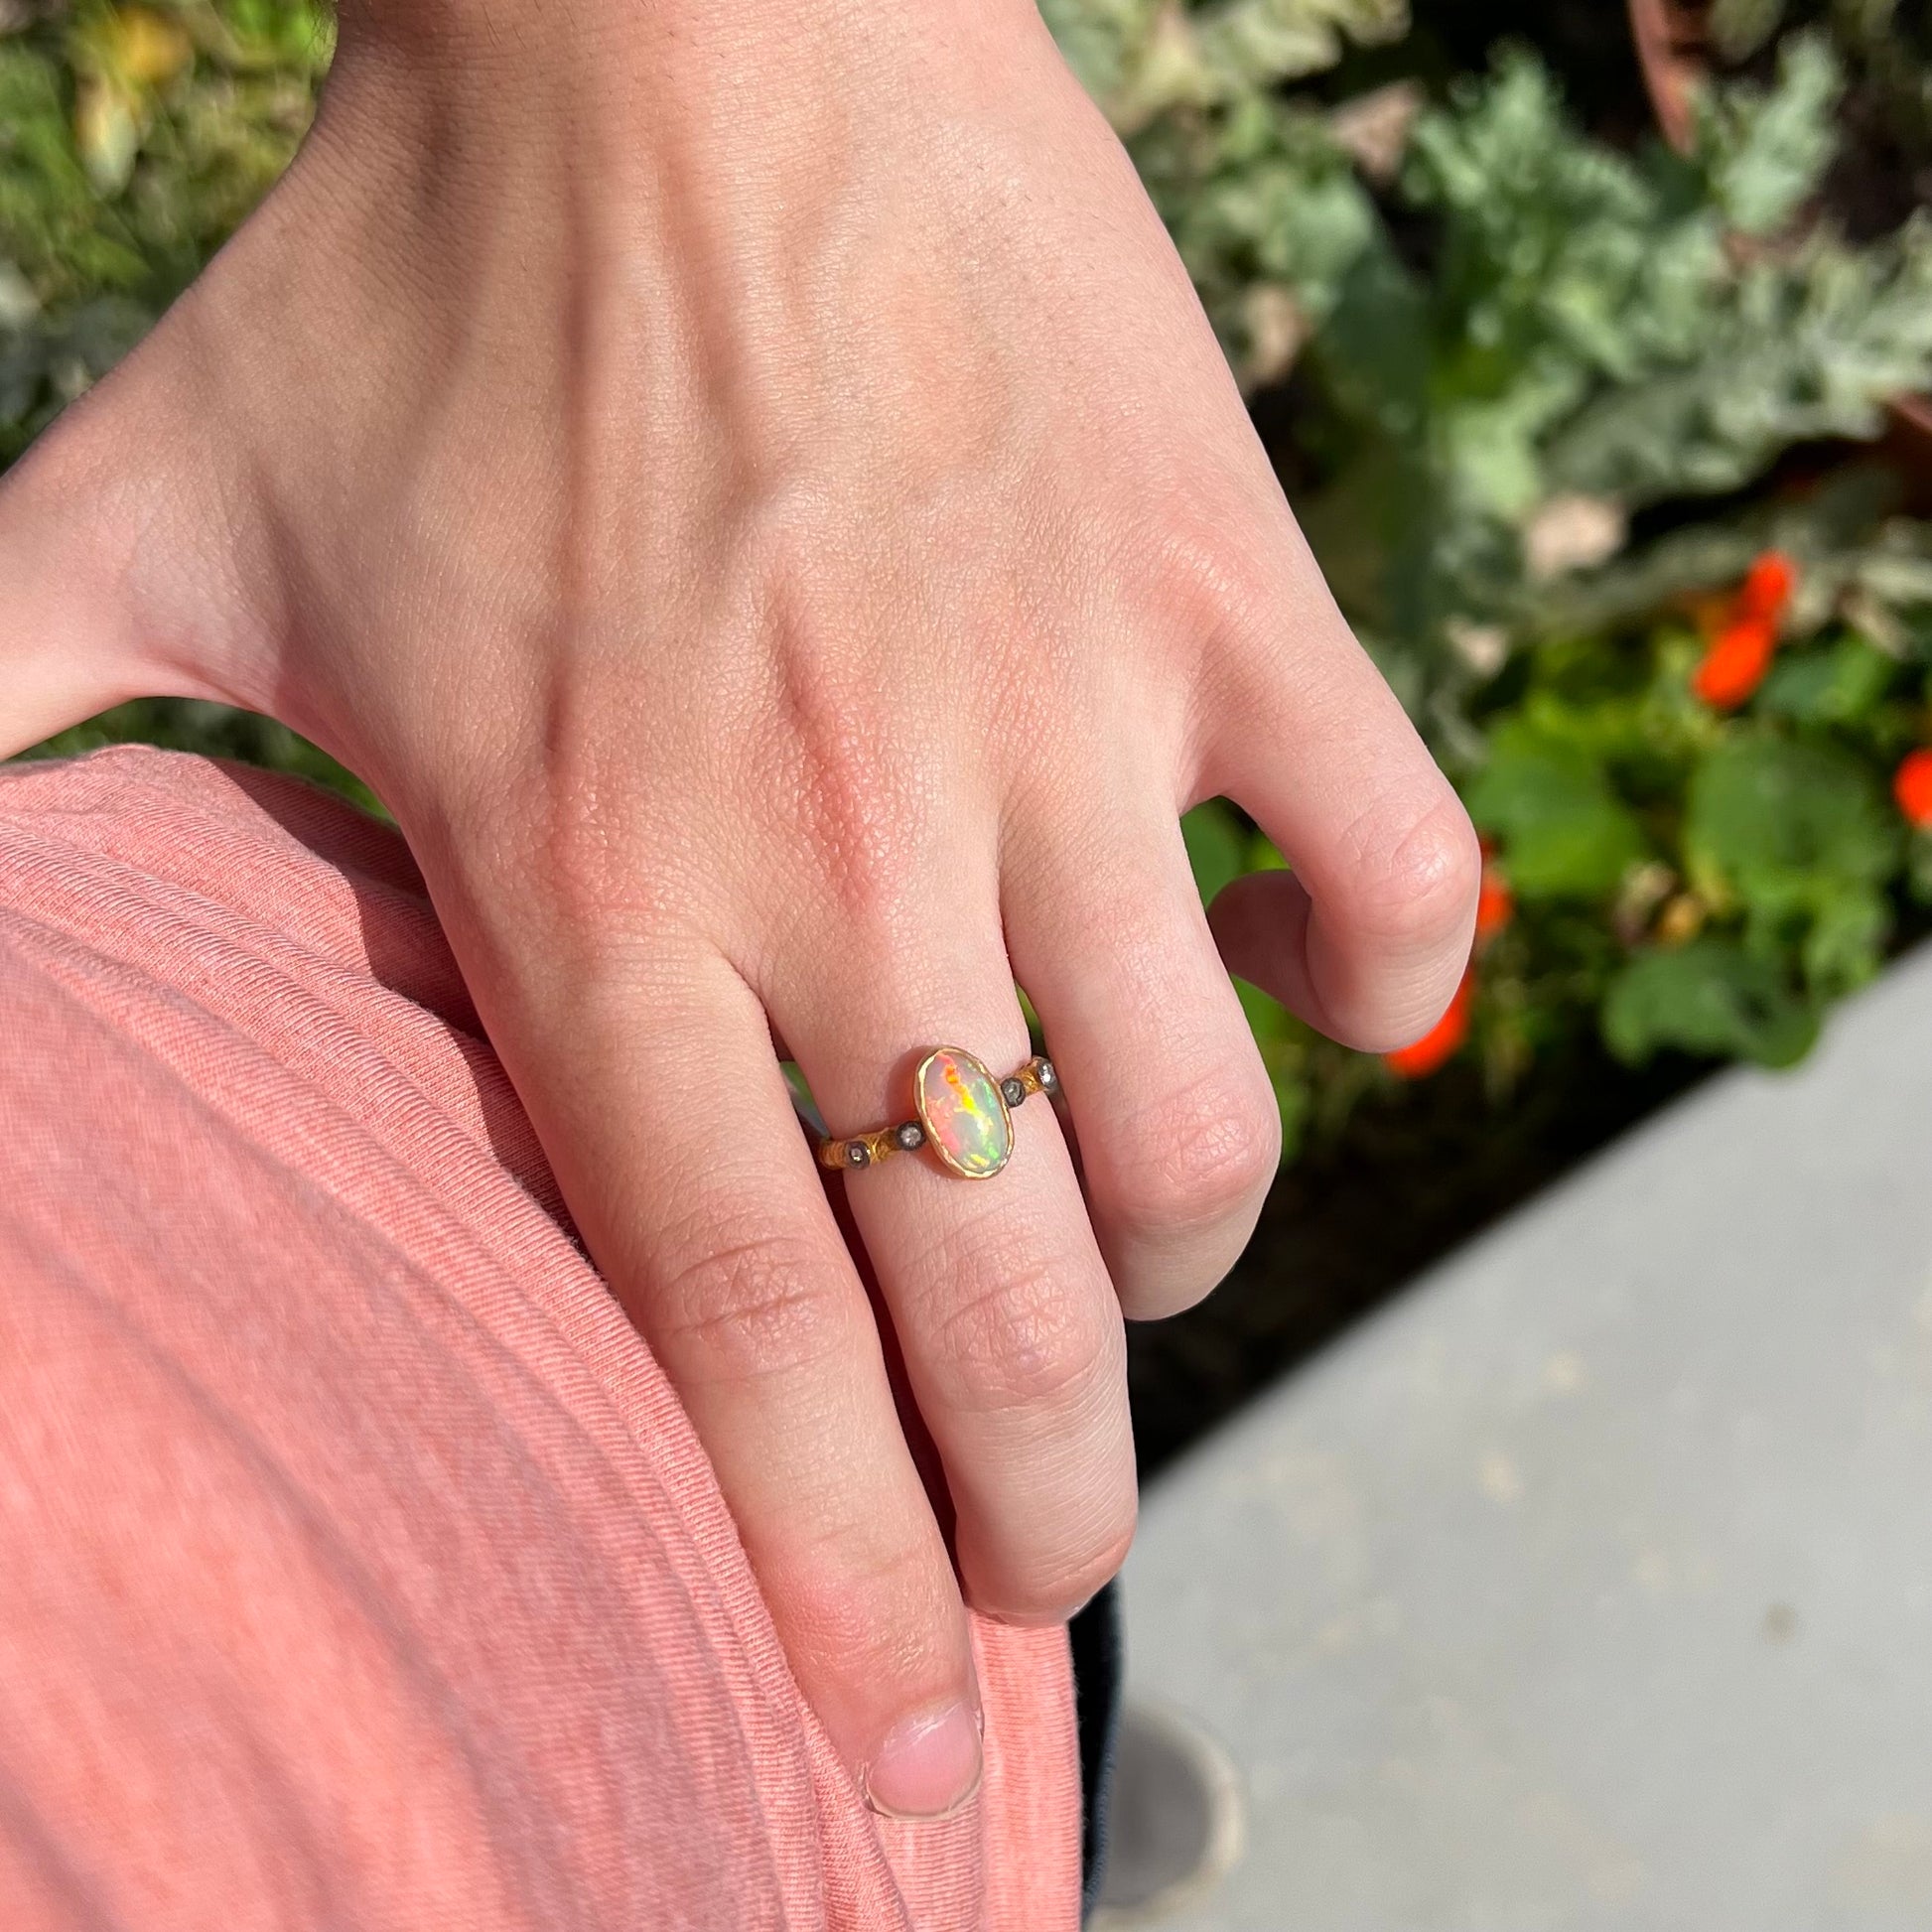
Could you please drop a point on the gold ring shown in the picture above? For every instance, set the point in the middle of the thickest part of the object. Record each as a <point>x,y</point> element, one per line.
<point>965,1117</point>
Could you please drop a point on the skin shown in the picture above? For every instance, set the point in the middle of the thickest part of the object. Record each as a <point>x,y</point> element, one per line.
<point>753,488</point>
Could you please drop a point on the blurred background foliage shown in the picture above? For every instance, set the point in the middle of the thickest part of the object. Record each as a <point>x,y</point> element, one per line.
<point>132,141</point>
<point>1609,448</point>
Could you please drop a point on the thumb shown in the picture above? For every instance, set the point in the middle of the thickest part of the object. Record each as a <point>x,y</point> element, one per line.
<point>120,544</point>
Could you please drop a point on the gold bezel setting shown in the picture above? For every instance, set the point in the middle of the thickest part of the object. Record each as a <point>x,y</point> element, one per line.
<point>855,1151</point>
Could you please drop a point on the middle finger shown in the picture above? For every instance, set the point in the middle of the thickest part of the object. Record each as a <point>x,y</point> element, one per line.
<point>1010,1328</point>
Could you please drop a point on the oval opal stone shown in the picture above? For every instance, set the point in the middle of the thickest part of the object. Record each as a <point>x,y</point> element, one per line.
<point>962,1113</point>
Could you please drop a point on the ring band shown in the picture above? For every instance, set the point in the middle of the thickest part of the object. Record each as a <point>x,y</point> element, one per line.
<point>965,1117</point>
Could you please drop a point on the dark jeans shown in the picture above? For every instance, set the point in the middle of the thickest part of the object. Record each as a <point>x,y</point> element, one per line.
<point>1096,1638</point>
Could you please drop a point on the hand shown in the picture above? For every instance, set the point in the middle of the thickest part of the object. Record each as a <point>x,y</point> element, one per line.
<point>752,489</point>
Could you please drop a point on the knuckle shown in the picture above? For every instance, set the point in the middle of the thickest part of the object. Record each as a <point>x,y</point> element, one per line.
<point>1029,1331</point>
<point>1212,585</point>
<point>858,822</point>
<point>1106,1552</point>
<point>1208,1153</point>
<point>566,825</point>
<point>555,818</point>
<point>751,1306</point>
<point>1048,1586</point>
<point>1418,875</point>
<point>865,1604</point>
<point>832,761</point>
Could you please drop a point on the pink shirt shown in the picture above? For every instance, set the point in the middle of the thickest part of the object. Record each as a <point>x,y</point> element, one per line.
<point>358,1566</point>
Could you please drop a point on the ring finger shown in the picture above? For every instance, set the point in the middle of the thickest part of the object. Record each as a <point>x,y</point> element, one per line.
<point>1011,1334</point>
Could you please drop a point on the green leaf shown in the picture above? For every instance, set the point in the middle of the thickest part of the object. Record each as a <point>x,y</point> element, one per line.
<point>1794,348</point>
<point>1282,1040</point>
<point>1765,153</point>
<point>1710,997</point>
<point>1217,847</point>
<point>1141,58</point>
<point>1374,351</point>
<point>1800,830</point>
<point>1837,685</point>
<point>1739,28</point>
<point>1255,43</point>
<point>1564,834</point>
<point>1845,943</point>
<point>1784,818</point>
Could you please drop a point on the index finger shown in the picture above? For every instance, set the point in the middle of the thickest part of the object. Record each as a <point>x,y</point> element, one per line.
<point>682,1160</point>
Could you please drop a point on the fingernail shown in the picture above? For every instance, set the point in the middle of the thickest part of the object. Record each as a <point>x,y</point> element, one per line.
<point>929,1765</point>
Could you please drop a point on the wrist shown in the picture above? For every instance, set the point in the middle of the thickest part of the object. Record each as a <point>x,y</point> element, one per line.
<point>508,35</point>
<point>766,59</point>
<point>702,134</point>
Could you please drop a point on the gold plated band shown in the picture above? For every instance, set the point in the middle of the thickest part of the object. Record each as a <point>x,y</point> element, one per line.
<point>965,1116</point>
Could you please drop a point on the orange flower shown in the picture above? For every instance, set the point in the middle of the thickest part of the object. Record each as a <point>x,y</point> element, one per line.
<point>1743,633</point>
<point>1768,587</point>
<point>1495,905</point>
<point>1912,785</point>
<point>1440,1044</point>
<point>1735,665</point>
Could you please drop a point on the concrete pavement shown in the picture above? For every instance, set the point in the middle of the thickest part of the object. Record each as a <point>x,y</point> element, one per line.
<point>1589,1585</point>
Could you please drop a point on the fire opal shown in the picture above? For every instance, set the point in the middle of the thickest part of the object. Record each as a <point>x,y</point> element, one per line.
<point>962,1113</point>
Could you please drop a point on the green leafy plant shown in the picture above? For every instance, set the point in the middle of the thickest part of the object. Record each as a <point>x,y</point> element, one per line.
<point>1886,45</point>
<point>210,731</point>
<point>1593,332</point>
<point>1142,59</point>
<point>132,140</point>
<point>1526,342</point>
<point>1257,189</point>
<point>1699,878</point>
